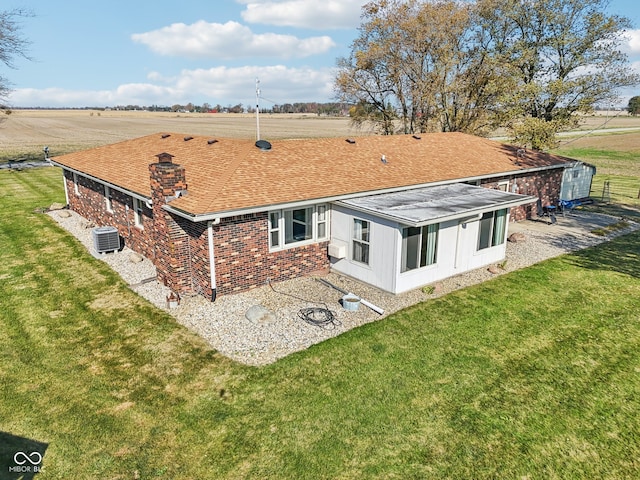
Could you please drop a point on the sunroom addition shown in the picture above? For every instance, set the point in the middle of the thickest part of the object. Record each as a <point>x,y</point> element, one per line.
<point>415,237</point>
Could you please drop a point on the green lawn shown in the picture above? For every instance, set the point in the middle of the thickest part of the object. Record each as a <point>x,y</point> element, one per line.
<point>608,161</point>
<point>534,375</point>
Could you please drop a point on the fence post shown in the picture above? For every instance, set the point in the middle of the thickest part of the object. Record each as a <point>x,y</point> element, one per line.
<point>606,192</point>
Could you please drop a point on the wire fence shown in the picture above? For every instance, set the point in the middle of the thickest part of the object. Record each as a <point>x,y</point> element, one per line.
<point>623,190</point>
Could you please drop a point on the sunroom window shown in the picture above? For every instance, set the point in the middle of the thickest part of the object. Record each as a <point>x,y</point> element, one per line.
<point>419,246</point>
<point>492,229</point>
<point>361,241</point>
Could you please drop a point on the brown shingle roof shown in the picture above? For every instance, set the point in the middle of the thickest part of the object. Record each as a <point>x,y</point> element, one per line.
<point>232,174</point>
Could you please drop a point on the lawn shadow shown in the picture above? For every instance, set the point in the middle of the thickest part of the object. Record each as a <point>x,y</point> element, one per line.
<point>615,209</point>
<point>20,457</point>
<point>621,254</point>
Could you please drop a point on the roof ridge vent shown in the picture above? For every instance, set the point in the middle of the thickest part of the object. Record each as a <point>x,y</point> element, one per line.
<point>417,137</point>
<point>165,135</point>
<point>186,139</point>
<point>350,140</point>
<point>212,141</point>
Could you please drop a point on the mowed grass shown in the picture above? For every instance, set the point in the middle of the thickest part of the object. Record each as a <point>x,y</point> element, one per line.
<point>535,374</point>
<point>609,160</point>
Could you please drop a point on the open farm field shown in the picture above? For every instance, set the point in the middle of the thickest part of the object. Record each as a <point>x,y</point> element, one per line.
<point>609,120</point>
<point>24,133</point>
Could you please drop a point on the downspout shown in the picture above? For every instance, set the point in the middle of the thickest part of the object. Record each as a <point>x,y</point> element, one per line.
<point>212,262</point>
<point>66,189</point>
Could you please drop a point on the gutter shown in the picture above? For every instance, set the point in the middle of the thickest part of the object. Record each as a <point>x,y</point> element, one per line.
<point>111,186</point>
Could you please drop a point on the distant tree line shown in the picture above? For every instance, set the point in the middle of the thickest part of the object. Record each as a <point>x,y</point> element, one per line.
<point>316,108</point>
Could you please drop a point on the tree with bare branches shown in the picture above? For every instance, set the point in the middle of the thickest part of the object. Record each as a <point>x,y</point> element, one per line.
<point>532,66</point>
<point>12,45</point>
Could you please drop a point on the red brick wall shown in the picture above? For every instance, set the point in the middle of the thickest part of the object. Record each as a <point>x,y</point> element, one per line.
<point>243,260</point>
<point>544,184</point>
<point>90,203</point>
<point>184,244</point>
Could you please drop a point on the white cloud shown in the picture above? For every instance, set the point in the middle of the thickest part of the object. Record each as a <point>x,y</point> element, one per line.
<point>633,39</point>
<point>314,14</point>
<point>127,94</point>
<point>229,40</point>
<point>279,84</point>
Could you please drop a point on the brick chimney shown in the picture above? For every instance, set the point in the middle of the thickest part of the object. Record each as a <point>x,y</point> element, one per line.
<point>173,266</point>
<point>167,178</point>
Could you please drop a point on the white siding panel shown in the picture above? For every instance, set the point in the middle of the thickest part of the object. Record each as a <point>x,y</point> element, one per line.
<point>382,242</point>
<point>576,182</point>
<point>457,252</point>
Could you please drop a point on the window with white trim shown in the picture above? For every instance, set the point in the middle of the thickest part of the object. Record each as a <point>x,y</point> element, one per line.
<point>360,241</point>
<point>503,186</point>
<point>493,227</point>
<point>108,197</point>
<point>137,213</point>
<point>293,226</point>
<point>419,247</point>
<point>321,222</point>
<point>76,190</point>
<point>274,229</point>
<point>298,225</point>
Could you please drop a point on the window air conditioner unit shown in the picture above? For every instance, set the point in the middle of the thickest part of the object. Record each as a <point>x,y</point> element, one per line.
<point>106,239</point>
<point>337,251</point>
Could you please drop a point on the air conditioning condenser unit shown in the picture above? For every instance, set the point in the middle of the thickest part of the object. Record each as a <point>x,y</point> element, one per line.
<point>106,239</point>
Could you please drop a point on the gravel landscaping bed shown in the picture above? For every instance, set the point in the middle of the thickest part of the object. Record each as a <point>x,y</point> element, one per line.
<point>264,340</point>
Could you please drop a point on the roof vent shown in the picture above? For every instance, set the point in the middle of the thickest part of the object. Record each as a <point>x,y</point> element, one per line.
<point>212,141</point>
<point>186,139</point>
<point>165,135</point>
<point>263,145</point>
<point>350,140</point>
<point>417,137</point>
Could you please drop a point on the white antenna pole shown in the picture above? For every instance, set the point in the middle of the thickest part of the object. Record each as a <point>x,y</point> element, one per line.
<point>257,109</point>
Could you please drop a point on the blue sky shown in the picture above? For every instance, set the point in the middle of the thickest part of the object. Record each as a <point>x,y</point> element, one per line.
<point>116,52</point>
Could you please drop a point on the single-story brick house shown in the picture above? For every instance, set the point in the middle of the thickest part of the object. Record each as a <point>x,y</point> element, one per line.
<point>219,215</point>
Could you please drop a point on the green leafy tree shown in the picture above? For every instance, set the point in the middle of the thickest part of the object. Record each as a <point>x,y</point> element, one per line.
<point>12,45</point>
<point>633,106</point>
<point>535,132</point>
